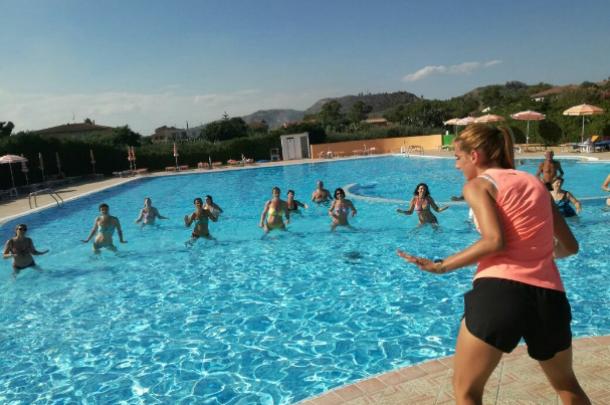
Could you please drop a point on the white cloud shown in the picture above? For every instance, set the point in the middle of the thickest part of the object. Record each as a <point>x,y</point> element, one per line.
<point>460,69</point>
<point>143,112</point>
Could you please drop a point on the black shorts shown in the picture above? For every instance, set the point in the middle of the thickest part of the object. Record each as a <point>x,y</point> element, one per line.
<point>501,312</point>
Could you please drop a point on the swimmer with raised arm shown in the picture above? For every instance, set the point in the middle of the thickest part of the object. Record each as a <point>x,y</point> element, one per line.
<point>211,206</point>
<point>274,212</point>
<point>320,194</point>
<point>148,214</point>
<point>517,290</point>
<point>293,204</point>
<point>562,199</point>
<point>422,203</point>
<point>105,225</point>
<point>21,248</point>
<point>340,209</point>
<point>199,217</point>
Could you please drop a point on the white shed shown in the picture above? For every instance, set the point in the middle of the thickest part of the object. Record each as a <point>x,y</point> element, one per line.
<point>295,146</point>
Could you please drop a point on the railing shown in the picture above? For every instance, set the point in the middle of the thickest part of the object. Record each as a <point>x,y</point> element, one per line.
<point>414,150</point>
<point>49,191</point>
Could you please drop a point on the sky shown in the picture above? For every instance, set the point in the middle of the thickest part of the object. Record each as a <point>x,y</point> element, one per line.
<point>148,63</point>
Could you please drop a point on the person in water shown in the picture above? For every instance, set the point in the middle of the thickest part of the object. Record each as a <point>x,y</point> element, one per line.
<point>320,194</point>
<point>563,198</point>
<point>211,206</point>
<point>105,225</point>
<point>421,203</point>
<point>148,214</point>
<point>274,212</point>
<point>549,169</point>
<point>200,217</point>
<point>517,290</point>
<point>340,209</point>
<point>293,204</point>
<point>606,187</point>
<point>21,248</point>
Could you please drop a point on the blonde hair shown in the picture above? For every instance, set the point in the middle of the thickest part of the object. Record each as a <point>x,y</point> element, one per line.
<point>496,143</point>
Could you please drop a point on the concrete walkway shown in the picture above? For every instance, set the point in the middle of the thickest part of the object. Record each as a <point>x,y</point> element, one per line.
<point>517,380</point>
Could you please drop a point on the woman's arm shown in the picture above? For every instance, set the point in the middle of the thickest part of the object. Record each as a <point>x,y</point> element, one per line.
<point>435,207</point>
<point>7,254</point>
<point>410,210</point>
<point>478,194</point>
<point>331,210</point>
<point>300,204</point>
<point>218,208</point>
<point>565,242</point>
<point>93,231</point>
<point>188,220</point>
<point>36,252</point>
<point>158,215</point>
<point>353,207</point>
<point>574,201</point>
<point>606,185</point>
<point>262,221</point>
<point>140,217</point>
<point>119,231</point>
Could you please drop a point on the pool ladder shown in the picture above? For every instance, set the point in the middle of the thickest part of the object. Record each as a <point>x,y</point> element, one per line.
<point>414,150</point>
<point>58,200</point>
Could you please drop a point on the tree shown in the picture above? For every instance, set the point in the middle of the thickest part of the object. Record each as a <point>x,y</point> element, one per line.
<point>225,129</point>
<point>125,136</point>
<point>330,115</point>
<point>6,128</point>
<point>358,112</point>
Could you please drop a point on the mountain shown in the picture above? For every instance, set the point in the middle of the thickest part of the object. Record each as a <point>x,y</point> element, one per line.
<point>380,101</point>
<point>274,118</point>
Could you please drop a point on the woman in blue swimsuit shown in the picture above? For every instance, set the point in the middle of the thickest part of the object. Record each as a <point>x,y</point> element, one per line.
<point>104,226</point>
<point>563,198</point>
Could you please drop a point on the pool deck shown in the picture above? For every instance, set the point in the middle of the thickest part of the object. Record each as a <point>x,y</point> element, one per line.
<point>517,379</point>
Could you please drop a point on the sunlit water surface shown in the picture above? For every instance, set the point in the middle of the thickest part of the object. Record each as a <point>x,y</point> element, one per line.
<point>251,320</point>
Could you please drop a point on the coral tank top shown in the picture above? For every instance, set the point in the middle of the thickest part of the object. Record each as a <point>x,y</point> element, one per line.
<point>526,217</point>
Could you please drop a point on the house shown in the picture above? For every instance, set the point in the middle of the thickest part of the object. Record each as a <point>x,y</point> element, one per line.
<point>76,130</point>
<point>168,134</point>
<point>376,121</point>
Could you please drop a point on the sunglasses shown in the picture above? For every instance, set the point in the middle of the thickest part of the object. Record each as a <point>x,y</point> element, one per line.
<point>21,228</point>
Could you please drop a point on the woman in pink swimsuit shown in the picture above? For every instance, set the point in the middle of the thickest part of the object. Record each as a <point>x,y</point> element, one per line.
<point>422,203</point>
<point>517,291</point>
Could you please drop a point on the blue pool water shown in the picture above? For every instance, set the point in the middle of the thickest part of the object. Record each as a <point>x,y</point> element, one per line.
<point>245,320</point>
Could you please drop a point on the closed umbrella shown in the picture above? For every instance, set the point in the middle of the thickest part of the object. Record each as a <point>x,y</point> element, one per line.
<point>133,157</point>
<point>10,159</point>
<point>583,110</point>
<point>41,162</point>
<point>528,116</point>
<point>58,161</point>
<point>488,118</point>
<point>24,170</point>
<point>92,156</point>
<point>129,159</point>
<point>176,154</point>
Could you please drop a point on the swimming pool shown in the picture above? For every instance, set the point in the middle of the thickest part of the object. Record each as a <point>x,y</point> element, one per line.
<point>245,320</point>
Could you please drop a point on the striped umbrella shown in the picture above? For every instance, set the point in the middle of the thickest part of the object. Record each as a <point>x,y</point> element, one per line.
<point>488,118</point>
<point>583,110</point>
<point>528,116</point>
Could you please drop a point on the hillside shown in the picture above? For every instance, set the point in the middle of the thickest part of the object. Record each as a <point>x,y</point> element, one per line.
<point>380,101</point>
<point>274,118</point>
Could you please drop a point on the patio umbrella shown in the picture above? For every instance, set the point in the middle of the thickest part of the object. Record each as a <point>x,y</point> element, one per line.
<point>462,122</point>
<point>528,116</point>
<point>41,162</point>
<point>10,159</point>
<point>583,110</point>
<point>488,118</point>
<point>454,122</point>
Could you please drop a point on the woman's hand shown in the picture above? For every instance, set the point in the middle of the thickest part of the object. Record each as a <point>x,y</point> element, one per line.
<point>423,263</point>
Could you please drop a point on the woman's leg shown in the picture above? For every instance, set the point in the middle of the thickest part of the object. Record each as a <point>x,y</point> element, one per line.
<point>561,376</point>
<point>474,361</point>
